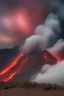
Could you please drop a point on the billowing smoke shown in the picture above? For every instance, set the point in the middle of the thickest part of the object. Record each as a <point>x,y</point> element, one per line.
<point>45,35</point>
<point>45,38</point>
<point>52,73</point>
<point>58,48</point>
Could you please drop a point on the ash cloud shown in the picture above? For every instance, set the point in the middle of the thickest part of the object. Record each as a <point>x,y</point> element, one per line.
<point>45,35</point>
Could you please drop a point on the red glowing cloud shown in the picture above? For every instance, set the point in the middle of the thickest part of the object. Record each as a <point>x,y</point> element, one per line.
<point>22,21</point>
<point>17,20</point>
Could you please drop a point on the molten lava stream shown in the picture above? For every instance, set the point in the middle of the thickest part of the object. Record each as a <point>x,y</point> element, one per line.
<point>57,57</point>
<point>15,71</point>
<point>11,65</point>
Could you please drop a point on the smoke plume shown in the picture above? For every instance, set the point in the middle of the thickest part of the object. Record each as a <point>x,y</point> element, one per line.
<point>52,73</point>
<point>58,48</point>
<point>45,38</point>
<point>45,35</point>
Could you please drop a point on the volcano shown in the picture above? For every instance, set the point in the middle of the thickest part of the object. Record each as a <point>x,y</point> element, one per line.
<point>25,65</point>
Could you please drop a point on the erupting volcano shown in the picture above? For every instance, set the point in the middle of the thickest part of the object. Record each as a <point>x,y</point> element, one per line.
<point>26,65</point>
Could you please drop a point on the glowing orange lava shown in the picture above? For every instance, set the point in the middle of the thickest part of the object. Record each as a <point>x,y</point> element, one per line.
<point>11,65</point>
<point>10,77</point>
<point>57,57</point>
<point>15,71</point>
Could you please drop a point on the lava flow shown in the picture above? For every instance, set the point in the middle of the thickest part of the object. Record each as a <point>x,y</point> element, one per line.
<point>15,71</point>
<point>35,59</point>
<point>50,58</point>
<point>58,57</point>
<point>11,65</point>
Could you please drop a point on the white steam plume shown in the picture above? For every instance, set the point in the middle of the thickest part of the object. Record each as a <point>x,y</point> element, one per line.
<point>58,48</point>
<point>52,73</point>
<point>45,35</point>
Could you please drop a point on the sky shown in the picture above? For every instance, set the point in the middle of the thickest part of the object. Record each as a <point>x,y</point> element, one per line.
<point>18,19</point>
